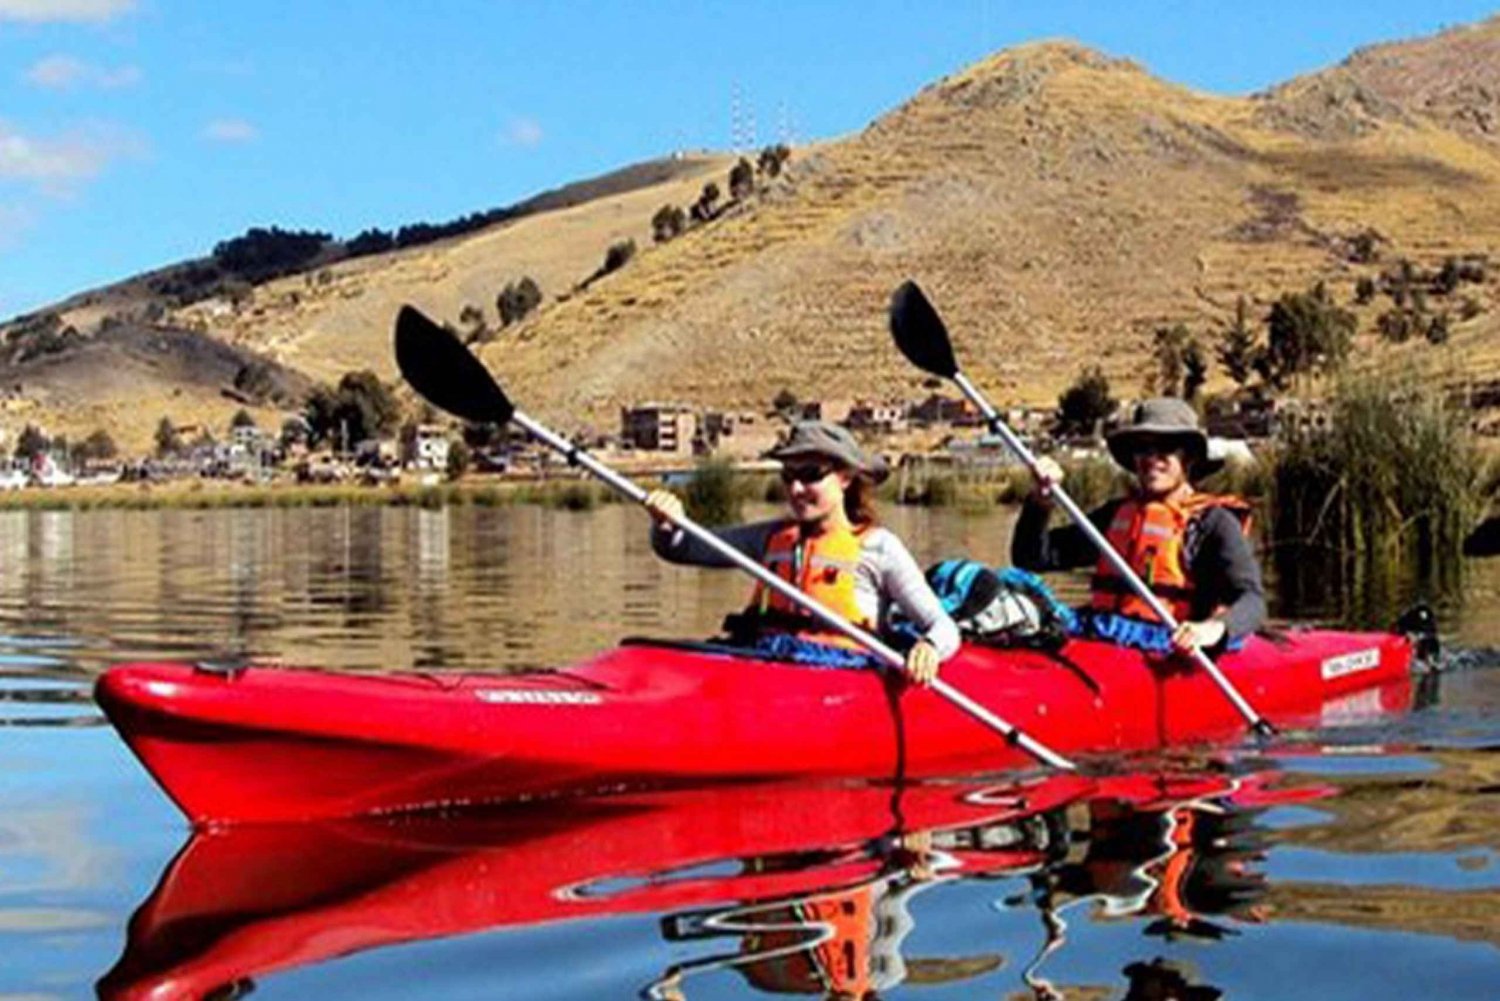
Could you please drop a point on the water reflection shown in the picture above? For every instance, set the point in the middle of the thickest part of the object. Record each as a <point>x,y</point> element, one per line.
<point>791,889</point>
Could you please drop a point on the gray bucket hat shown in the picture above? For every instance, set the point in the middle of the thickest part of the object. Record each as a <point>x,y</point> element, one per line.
<point>830,441</point>
<point>1164,417</point>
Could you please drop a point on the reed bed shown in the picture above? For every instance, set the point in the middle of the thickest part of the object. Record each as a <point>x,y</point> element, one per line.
<point>564,494</point>
<point>1392,479</point>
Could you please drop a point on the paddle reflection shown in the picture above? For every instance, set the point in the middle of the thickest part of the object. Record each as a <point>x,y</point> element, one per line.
<point>790,889</point>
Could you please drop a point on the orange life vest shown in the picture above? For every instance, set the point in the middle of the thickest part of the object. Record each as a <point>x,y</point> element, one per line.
<point>839,965</point>
<point>821,566</point>
<point>1150,535</point>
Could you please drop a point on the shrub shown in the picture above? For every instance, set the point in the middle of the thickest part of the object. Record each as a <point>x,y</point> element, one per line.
<point>1085,403</point>
<point>772,158</point>
<point>1393,473</point>
<point>1306,332</point>
<point>668,222</point>
<point>741,180</point>
<point>262,254</point>
<point>618,255</point>
<point>517,299</point>
<point>1239,350</point>
<point>713,495</point>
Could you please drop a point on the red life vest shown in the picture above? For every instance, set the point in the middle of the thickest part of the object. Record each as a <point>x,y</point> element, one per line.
<point>821,566</point>
<point>1150,535</point>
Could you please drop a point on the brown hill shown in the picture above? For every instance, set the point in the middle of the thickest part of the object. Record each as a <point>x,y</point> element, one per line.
<point>1057,204</point>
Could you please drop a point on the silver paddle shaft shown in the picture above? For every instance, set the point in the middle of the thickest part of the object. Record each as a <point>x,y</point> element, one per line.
<point>822,612</point>
<point>1016,445</point>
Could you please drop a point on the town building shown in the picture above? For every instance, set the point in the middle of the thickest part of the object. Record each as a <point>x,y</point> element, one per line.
<point>428,448</point>
<point>658,427</point>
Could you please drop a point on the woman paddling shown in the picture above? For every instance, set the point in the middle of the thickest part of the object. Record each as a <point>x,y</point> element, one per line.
<point>1189,547</point>
<point>830,547</point>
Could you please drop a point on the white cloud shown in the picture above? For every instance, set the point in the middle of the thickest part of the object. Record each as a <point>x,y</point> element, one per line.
<point>71,11</point>
<point>523,132</point>
<point>58,164</point>
<point>65,73</point>
<point>230,130</point>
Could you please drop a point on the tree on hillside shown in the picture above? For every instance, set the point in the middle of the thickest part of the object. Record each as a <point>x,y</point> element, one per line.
<point>517,299</point>
<point>707,204</point>
<point>1239,348</point>
<point>1085,403</point>
<point>99,445</point>
<point>741,180</point>
<point>618,255</point>
<point>1306,332</point>
<point>361,407</point>
<point>371,241</point>
<point>262,254</point>
<point>32,443</point>
<point>241,419</point>
<point>167,442</point>
<point>772,158</point>
<point>668,222</point>
<point>472,316</point>
<point>784,402</point>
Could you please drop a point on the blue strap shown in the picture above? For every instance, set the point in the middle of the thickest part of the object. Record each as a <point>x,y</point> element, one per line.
<point>798,650</point>
<point>1122,630</point>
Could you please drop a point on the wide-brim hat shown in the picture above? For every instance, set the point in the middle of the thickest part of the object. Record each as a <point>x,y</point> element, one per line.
<point>1169,418</point>
<point>829,441</point>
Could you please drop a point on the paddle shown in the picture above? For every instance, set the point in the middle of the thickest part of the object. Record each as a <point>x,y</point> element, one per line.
<point>449,376</point>
<point>922,337</point>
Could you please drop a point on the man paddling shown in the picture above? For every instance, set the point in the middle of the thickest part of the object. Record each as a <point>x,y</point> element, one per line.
<point>1189,547</point>
<point>830,546</point>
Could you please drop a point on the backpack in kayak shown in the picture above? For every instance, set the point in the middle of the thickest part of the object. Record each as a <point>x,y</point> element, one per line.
<point>1006,607</point>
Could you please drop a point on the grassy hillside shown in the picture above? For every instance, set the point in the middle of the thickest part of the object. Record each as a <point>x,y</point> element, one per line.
<point>1057,204</point>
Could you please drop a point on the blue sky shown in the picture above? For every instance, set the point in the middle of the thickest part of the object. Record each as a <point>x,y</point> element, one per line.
<point>134,133</point>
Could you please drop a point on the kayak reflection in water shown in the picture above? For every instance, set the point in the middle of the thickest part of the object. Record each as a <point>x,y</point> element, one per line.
<point>846,944</point>
<point>817,888</point>
<point>1182,862</point>
<point>1189,547</point>
<point>831,547</point>
<point>1176,850</point>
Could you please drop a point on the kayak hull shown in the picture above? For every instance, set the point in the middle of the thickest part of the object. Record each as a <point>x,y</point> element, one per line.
<point>264,744</point>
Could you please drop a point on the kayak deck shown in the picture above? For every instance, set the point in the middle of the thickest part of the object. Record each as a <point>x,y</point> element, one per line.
<point>273,744</point>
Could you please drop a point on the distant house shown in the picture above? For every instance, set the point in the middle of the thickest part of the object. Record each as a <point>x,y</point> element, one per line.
<point>938,409</point>
<point>876,418</point>
<point>428,448</point>
<point>658,427</point>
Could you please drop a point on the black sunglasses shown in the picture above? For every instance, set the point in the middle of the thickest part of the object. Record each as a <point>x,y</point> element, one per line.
<point>804,474</point>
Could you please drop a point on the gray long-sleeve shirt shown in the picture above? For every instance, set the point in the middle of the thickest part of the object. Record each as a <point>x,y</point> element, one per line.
<point>887,577</point>
<point>1224,570</point>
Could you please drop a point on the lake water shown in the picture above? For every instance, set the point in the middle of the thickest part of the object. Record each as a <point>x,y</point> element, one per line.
<point>1351,863</point>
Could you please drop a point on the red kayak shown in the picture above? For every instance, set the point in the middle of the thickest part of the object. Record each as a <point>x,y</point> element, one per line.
<point>276,744</point>
<point>250,900</point>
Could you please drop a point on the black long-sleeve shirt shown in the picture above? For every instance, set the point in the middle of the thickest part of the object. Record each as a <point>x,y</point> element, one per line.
<point>1224,571</point>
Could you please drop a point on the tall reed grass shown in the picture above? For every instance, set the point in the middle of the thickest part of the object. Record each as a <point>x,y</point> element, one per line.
<point>715,494</point>
<point>1393,480</point>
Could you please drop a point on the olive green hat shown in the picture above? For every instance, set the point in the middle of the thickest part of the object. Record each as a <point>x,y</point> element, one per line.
<point>829,441</point>
<point>1164,417</point>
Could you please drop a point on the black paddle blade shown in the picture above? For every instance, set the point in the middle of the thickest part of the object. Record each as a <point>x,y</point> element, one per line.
<point>445,372</point>
<point>920,333</point>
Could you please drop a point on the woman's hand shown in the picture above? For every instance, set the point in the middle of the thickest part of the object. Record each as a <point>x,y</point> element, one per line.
<point>1198,635</point>
<point>1048,475</point>
<point>665,506</point>
<point>922,663</point>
